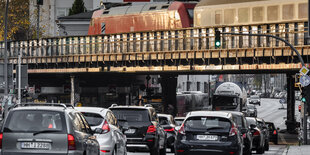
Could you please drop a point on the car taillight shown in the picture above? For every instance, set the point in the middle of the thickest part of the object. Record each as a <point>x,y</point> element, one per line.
<point>182,131</point>
<point>71,142</point>
<point>1,137</point>
<point>233,130</point>
<point>274,132</point>
<point>105,127</point>
<point>256,133</point>
<point>169,130</point>
<point>151,129</point>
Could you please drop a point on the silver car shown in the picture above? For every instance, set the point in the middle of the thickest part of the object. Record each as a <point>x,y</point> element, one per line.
<point>111,139</point>
<point>40,129</point>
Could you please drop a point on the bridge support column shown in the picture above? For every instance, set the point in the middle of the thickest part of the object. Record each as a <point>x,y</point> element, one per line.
<point>291,121</point>
<point>169,86</point>
<point>74,90</point>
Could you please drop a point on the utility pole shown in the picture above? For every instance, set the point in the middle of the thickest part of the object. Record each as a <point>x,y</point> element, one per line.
<point>6,58</point>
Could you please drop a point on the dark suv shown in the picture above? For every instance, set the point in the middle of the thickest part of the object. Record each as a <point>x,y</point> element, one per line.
<point>46,129</point>
<point>208,132</point>
<point>142,129</point>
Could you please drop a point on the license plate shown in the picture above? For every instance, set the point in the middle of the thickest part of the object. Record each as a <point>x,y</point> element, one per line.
<point>130,131</point>
<point>35,145</point>
<point>207,137</point>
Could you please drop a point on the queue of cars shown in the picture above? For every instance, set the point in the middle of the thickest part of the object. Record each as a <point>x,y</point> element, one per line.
<point>61,129</point>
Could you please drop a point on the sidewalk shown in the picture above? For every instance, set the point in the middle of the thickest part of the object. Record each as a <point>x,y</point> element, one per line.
<point>297,150</point>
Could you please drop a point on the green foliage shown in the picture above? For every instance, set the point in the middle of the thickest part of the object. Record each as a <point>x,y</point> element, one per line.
<point>77,7</point>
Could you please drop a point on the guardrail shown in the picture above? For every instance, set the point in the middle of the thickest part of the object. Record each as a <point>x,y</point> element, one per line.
<point>190,39</point>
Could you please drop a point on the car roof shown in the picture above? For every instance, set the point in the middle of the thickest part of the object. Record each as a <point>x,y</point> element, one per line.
<point>179,117</point>
<point>92,109</point>
<point>259,119</point>
<point>210,113</point>
<point>130,107</point>
<point>45,108</point>
<point>235,113</point>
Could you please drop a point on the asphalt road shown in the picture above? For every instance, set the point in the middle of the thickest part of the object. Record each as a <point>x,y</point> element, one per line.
<point>270,110</point>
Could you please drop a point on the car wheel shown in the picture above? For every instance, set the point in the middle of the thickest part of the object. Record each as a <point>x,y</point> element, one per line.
<point>248,151</point>
<point>267,146</point>
<point>260,150</point>
<point>155,150</point>
<point>276,142</point>
<point>114,151</point>
<point>172,149</point>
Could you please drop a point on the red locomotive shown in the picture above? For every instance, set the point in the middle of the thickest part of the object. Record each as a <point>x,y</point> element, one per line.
<point>147,17</point>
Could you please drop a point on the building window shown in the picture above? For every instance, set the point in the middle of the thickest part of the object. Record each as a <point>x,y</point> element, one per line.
<point>218,16</point>
<point>198,86</point>
<point>61,12</point>
<point>188,86</point>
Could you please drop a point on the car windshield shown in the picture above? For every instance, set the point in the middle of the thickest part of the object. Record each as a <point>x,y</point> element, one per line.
<point>163,120</point>
<point>251,106</point>
<point>131,115</point>
<point>179,122</point>
<point>93,119</point>
<point>214,124</point>
<point>35,121</point>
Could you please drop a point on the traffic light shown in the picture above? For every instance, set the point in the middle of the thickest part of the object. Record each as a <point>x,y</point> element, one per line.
<point>306,97</point>
<point>39,2</point>
<point>217,39</point>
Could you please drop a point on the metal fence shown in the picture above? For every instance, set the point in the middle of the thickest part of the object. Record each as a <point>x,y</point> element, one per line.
<point>191,39</point>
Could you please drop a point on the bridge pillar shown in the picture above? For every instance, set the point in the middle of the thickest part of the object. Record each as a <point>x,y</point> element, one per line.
<point>75,93</point>
<point>169,86</point>
<point>291,121</point>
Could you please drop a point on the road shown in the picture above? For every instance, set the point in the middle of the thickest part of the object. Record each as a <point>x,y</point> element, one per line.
<point>270,112</point>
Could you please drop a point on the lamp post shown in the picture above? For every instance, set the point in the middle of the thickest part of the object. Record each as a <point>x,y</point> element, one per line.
<point>6,58</point>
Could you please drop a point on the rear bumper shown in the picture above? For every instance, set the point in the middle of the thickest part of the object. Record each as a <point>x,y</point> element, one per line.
<point>183,148</point>
<point>140,144</point>
<point>257,142</point>
<point>170,139</point>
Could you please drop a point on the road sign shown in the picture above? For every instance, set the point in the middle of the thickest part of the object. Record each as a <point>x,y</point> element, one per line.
<point>304,80</point>
<point>304,70</point>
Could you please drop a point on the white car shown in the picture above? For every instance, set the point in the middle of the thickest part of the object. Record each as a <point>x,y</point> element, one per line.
<point>110,137</point>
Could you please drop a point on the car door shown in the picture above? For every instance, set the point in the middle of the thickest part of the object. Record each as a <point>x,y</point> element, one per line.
<point>117,134</point>
<point>92,145</point>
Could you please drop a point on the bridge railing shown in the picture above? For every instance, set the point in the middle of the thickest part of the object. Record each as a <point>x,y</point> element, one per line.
<point>160,41</point>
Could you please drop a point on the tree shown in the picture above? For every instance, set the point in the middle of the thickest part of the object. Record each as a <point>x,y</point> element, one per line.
<point>19,27</point>
<point>77,7</point>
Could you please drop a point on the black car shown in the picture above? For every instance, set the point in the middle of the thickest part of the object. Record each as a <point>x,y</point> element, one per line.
<point>258,142</point>
<point>273,132</point>
<point>239,119</point>
<point>168,123</point>
<point>262,125</point>
<point>208,132</point>
<point>142,129</point>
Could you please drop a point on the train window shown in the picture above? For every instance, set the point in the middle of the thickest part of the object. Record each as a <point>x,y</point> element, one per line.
<point>152,8</point>
<point>273,13</point>
<point>302,10</point>
<point>243,15</point>
<point>190,13</point>
<point>218,17</point>
<point>288,12</point>
<point>258,14</point>
<point>165,6</point>
<point>229,16</point>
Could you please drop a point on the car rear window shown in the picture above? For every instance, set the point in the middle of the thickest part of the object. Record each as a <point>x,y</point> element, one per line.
<point>238,120</point>
<point>131,115</point>
<point>93,119</point>
<point>251,121</point>
<point>35,121</point>
<point>179,121</point>
<point>216,124</point>
<point>163,120</point>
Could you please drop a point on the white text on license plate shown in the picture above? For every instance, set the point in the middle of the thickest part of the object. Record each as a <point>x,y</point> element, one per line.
<point>207,137</point>
<point>130,131</point>
<point>34,145</point>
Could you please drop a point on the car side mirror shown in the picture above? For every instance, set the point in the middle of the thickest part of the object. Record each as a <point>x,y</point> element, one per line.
<point>98,131</point>
<point>252,126</point>
<point>244,130</point>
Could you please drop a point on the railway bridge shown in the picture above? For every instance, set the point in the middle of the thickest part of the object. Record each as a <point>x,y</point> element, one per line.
<point>169,53</point>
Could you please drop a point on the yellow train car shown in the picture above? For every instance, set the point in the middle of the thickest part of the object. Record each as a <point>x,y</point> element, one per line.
<point>249,12</point>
